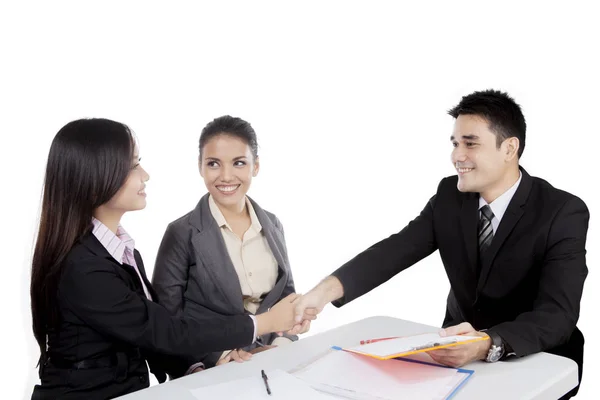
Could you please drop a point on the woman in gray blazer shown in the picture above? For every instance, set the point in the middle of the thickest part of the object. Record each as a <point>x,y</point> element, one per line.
<point>228,255</point>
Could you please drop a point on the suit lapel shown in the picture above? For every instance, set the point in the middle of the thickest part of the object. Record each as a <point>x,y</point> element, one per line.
<point>210,248</point>
<point>511,217</point>
<point>276,244</point>
<point>468,221</point>
<point>140,265</point>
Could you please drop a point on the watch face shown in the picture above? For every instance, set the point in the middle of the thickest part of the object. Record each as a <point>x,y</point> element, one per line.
<point>495,354</point>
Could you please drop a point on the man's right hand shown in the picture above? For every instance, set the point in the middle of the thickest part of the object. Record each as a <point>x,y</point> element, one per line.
<point>328,290</point>
<point>281,317</point>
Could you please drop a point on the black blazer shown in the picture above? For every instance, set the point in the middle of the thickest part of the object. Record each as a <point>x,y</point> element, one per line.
<point>105,314</point>
<point>530,282</point>
<point>194,275</point>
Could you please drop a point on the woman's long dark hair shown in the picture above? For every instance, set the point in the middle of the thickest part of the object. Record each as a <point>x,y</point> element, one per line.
<point>88,163</point>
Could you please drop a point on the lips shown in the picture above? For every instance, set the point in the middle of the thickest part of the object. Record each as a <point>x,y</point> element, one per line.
<point>227,189</point>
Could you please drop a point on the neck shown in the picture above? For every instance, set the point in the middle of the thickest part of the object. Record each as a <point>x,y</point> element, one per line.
<point>508,180</point>
<point>110,218</point>
<point>235,211</point>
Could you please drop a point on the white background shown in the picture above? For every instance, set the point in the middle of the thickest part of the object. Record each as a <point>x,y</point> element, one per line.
<point>348,99</point>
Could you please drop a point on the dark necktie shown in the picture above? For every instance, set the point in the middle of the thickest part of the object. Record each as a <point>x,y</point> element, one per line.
<point>485,232</point>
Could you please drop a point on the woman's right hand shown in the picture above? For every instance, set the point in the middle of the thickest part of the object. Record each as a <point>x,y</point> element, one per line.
<point>281,317</point>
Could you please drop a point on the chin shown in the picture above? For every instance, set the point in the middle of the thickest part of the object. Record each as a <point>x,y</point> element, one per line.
<point>464,188</point>
<point>140,206</point>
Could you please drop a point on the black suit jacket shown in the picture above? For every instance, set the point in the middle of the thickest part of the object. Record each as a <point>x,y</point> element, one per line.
<point>104,312</point>
<point>194,275</point>
<point>528,286</point>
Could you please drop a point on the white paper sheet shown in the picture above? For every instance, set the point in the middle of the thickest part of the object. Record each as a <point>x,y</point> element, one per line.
<point>282,385</point>
<point>354,376</point>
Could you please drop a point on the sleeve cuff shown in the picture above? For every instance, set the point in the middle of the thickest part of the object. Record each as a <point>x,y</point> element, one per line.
<point>193,367</point>
<point>280,340</point>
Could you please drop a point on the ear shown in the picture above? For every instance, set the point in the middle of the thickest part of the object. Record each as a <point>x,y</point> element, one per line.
<point>511,148</point>
<point>256,166</point>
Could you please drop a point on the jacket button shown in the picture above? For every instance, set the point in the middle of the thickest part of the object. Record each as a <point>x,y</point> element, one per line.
<point>143,378</point>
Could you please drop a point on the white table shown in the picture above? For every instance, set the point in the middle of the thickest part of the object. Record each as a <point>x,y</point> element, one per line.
<point>539,376</point>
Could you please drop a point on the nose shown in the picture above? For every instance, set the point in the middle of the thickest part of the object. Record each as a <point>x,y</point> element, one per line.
<point>226,173</point>
<point>145,175</point>
<point>458,155</point>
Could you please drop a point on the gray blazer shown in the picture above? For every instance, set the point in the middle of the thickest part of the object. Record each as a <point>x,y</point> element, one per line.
<point>194,275</point>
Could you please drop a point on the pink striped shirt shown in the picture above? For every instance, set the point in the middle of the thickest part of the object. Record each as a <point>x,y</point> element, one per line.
<point>119,246</point>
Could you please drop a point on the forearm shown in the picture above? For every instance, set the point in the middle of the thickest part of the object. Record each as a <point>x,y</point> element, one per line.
<point>331,289</point>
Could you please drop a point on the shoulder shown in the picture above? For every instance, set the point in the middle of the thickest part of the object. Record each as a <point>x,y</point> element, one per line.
<point>84,261</point>
<point>547,196</point>
<point>261,212</point>
<point>181,226</point>
<point>273,218</point>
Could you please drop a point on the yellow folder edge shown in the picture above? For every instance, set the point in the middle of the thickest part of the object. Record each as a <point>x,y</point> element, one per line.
<point>407,353</point>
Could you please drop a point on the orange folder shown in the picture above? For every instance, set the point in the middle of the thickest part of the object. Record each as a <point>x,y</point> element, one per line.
<point>394,347</point>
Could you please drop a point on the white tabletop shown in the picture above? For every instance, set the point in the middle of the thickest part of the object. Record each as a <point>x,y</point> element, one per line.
<point>539,376</point>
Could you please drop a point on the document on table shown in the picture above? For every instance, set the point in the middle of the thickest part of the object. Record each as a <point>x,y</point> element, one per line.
<point>353,376</point>
<point>282,385</point>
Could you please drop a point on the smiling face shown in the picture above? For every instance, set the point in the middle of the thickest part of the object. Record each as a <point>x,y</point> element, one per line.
<point>482,165</point>
<point>131,196</point>
<point>227,166</point>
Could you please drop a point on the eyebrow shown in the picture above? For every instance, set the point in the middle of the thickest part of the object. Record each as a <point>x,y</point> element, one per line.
<point>235,159</point>
<point>466,137</point>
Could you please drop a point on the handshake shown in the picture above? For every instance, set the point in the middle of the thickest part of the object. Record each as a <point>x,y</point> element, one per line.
<point>294,313</point>
<point>289,315</point>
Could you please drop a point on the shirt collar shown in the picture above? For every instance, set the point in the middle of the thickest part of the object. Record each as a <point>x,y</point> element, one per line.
<point>500,205</point>
<point>222,222</point>
<point>114,244</point>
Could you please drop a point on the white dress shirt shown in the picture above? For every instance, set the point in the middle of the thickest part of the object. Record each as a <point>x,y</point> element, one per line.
<point>500,205</point>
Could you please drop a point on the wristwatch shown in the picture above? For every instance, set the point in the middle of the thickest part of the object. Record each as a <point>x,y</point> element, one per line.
<point>496,349</point>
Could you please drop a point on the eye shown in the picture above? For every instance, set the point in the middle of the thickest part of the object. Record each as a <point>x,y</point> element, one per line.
<point>471,144</point>
<point>239,163</point>
<point>454,144</point>
<point>212,164</point>
<point>137,164</point>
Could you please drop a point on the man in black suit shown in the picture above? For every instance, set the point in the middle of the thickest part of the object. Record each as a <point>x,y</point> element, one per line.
<point>512,245</point>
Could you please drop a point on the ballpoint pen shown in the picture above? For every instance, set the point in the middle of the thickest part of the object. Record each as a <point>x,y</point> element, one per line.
<point>433,344</point>
<point>265,379</point>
